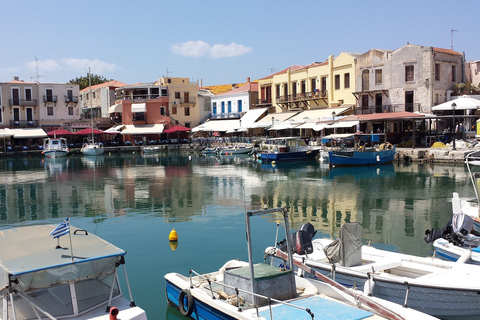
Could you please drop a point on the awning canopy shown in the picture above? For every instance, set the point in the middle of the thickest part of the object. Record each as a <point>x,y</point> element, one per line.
<point>88,131</point>
<point>4,133</point>
<point>139,107</point>
<point>115,129</point>
<point>319,113</point>
<point>342,124</point>
<point>115,108</point>
<point>59,132</point>
<point>251,116</point>
<point>28,133</point>
<point>271,119</point>
<point>462,103</point>
<point>143,129</point>
<point>177,128</point>
<point>217,125</point>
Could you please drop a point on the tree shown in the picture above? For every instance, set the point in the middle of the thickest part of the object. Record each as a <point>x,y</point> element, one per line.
<point>83,81</point>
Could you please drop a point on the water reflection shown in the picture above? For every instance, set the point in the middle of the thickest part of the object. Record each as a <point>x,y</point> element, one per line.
<point>394,203</point>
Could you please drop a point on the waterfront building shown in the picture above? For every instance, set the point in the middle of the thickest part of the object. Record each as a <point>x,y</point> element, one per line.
<point>472,72</point>
<point>314,86</point>
<point>32,104</point>
<point>96,101</point>
<point>236,102</point>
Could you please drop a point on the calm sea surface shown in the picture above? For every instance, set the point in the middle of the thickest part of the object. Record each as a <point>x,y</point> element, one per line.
<point>134,201</point>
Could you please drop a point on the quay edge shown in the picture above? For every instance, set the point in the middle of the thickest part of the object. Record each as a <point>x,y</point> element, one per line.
<point>433,155</point>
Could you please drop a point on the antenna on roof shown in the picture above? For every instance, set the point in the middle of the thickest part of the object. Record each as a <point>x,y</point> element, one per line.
<point>36,70</point>
<point>451,36</point>
<point>168,72</point>
<point>272,69</point>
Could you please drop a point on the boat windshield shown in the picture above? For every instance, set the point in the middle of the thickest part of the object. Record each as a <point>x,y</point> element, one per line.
<point>57,300</point>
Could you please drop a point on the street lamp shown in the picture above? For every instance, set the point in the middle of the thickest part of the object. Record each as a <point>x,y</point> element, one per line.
<point>454,128</point>
<point>333,118</point>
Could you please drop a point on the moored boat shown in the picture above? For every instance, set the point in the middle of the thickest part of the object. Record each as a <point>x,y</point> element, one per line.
<point>243,290</point>
<point>235,150</point>
<point>150,149</point>
<point>439,288</point>
<point>41,279</point>
<point>295,149</point>
<point>92,148</point>
<point>55,147</point>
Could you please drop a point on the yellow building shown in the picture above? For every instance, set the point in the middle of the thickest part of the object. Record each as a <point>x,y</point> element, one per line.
<point>318,85</point>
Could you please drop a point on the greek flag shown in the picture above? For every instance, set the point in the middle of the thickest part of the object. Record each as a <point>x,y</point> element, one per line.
<point>61,230</point>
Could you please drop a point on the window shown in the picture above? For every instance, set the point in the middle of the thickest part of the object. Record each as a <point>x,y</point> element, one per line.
<point>304,86</point>
<point>186,97</point>
<point>365,80</point>
<point>164,93</point>
<point>16,114</point>
<point>346,80</point>
<point>378,77</point>
<point>239,103</point>
<point>29,114</point>
<point>162,111</point>
<point>0,96</point>
<point>454,74</point>
<point>70,111</point>
<point>365,101</point>
<point>337,81</point>
<point>93,95</point>
<point>214,107</point>
<point>229,106</point>
<point>49,111</point>
<point>409,71</point>
<point>28,94</point>
<point>285,90</point>
<point>49,95</point>
<point>437,71</point>
<point>174,110</point>
<point>314,85</point>
<point>15,96</point>
<point>223,106</point>
<point>1,115</point>
<point>187,111</point>
<point>177,95</point>
<point>278,90</point>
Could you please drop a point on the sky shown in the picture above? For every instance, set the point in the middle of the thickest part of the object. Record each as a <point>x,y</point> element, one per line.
<point>215,42</point>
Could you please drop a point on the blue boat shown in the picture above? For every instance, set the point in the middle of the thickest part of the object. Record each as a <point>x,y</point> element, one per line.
<point>243,290</point>
<point>295,149</point>
<point>367,157</point>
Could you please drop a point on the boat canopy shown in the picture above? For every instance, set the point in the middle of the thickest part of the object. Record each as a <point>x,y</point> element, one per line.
<point>29,254</point>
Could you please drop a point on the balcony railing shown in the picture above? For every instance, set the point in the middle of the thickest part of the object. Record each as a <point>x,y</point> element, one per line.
<point>265,101</point>
<point>225,115</point>
<point>22,102</point>
<point>23,123</point>
<point>303,96</point>
<point>140,97</point>
<point>48,98</point>
<point>73,99</point>
<point>410,107</point>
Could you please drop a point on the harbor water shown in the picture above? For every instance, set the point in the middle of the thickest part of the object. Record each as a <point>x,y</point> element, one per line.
<point>134,200</point>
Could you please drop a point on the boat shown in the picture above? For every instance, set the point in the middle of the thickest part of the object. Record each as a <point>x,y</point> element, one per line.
<point>55,147</point>
<point>235,150</point>
<point>90,147</point>
<point>150,149</point>
<point>359,153</point>
<point>244,290</point>
<point>210,150</point>
<point>40,279</point>
<point>433,286</point>
<point>295,149</point>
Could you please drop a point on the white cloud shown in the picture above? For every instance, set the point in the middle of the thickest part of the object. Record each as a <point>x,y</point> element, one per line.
<point>72,64</point>
<point>197,49</point>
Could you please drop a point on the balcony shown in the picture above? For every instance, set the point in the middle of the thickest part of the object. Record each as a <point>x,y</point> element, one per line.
<point>140,97</point>
<point>73,99</point>
<point>303,96</point>
<point>23,123</point>
<point>22,102</point>
<point>49,98</point>
<point>389,108</point>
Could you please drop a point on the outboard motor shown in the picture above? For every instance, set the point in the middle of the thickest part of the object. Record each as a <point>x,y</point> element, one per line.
<point>462,224</point>
<point>301,240</point>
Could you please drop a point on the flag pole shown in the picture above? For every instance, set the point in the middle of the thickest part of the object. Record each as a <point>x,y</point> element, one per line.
<point>70,236</point>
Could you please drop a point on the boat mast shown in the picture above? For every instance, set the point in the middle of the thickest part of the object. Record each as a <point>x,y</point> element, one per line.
<point>91,101</point>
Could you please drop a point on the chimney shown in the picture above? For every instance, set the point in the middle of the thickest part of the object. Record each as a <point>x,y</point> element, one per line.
<point>16,78</point>
<point>248,79</point>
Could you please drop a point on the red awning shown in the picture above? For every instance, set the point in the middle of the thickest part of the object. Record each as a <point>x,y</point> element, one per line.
<point>404,115</point>
<point>176,128</point>
<point>59,132</point>
<point>88,131</point>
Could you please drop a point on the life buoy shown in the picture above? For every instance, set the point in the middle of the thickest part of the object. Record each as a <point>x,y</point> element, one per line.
<point>181,306</point>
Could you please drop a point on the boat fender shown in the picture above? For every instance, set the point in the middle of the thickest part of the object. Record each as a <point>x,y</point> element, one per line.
<point>368,286</point>
<point>113,313</point>
<point>181,306</point>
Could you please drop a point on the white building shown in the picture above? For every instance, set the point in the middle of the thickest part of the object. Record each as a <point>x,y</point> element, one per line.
<point>234,103</point>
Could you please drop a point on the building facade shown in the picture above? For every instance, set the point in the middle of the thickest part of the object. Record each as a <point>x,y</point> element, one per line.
<point>235,103</point>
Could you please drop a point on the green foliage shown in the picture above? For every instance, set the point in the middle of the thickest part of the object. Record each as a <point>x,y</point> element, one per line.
<point>466,88</point>
<point>83,81</point>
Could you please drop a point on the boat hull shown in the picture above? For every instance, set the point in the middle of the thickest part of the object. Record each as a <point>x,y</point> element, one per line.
<point>436,298</point>
<point>289,156</point>
<point>55,153</point>
<point>451,252</point>
<point>241,150</point>
<point>358,158</point>
<point>91,150</point>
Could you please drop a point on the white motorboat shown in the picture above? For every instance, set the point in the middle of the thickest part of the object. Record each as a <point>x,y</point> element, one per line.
<point>40,279</point>
<point>243,290</point>
<point>55,147</point>
<point>436,287</point>
<point>150,149</point>
<point>90,147</point>
<point>235,150</point>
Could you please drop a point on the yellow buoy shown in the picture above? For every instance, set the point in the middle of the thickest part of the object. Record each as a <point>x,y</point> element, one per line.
<point>173,235</point>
